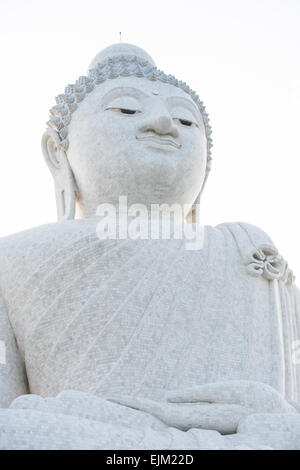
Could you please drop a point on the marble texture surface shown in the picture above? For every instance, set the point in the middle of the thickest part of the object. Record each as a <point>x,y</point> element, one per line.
<point>142,344</point>
<point>133,345</point>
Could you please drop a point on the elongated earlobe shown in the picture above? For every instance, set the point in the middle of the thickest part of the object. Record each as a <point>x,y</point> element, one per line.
<point>65,186</point>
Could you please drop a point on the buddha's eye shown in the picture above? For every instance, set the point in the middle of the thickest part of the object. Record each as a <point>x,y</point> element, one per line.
<point>128,111</point>
<point>124,110</point>
<point>185,122</point>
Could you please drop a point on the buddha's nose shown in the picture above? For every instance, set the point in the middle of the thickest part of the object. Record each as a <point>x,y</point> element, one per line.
<point>160,123</point>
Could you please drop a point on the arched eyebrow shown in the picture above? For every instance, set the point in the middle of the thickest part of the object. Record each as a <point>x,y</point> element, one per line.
<point>122,91</point>
<point>190,105</point>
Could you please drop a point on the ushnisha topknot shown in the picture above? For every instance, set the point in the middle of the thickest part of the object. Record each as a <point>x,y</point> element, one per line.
<point>108,69</point>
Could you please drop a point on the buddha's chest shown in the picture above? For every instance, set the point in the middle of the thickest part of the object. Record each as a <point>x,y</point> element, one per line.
<point>135,317</point>
<point>79,320</point>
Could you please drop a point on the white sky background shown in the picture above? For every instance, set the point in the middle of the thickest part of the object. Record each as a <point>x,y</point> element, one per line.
<point>241,56</point>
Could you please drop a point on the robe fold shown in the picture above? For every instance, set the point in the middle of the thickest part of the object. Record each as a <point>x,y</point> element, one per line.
<point>144,316</point>
<point>141,317</point>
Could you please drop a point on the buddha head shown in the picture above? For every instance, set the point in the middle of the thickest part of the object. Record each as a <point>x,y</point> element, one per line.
<point>126,129</point>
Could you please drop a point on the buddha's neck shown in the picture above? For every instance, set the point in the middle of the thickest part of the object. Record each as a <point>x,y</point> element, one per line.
<point>89,209</point>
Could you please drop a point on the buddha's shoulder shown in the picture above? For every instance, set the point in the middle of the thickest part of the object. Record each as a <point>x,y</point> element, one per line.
<point>42,241</point>
<point>258,252</point>
<point>46,239</point>
<point>240,241</point>
<point>244,234</point>
<point>30,248</point>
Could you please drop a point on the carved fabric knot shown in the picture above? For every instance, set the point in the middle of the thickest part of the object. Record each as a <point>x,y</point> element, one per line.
<point>267,262</point>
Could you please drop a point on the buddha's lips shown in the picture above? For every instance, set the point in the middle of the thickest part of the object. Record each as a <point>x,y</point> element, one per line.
<point>159,140</point>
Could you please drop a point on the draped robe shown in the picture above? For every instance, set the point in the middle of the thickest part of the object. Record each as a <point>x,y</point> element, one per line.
<point>140,317</point>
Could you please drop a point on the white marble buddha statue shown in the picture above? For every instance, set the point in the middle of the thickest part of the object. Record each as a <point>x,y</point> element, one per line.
<point>142,344</point>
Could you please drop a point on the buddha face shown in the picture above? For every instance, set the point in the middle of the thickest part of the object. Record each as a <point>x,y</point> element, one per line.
<point>137,138</point>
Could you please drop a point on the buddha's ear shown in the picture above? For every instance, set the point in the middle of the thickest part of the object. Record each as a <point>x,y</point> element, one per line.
<point>58,164</point>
